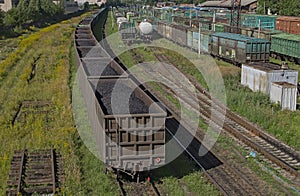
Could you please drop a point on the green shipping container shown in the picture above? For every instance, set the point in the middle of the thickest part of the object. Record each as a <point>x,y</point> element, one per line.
<point>286,44</point>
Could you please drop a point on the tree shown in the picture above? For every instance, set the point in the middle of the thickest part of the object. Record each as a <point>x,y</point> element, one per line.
<point>35,11</point>
<point>281,7</point>
<point>289,7</point>
<point>1,17</point>
<point>11,17</point>
<point>86,5</point>
<point>22,12</point>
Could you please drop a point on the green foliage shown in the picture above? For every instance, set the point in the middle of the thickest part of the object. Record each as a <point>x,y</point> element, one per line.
<point>31,11</point>
<point>86,5</point>
<point>11,17</point>
<point>281,7</point>
<point>1,17</point>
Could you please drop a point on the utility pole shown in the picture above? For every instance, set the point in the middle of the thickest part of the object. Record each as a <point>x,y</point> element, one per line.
<point>235,16</point>
<point>190,17</point>
<point>199,39</point>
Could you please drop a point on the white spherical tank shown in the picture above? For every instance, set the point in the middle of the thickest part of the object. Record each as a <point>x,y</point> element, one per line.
<point>145,28</point>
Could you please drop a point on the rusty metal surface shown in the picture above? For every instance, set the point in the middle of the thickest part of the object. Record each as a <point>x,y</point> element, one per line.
<point>288,24</point>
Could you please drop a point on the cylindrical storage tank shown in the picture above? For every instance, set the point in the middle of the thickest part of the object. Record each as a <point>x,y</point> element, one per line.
<point>145,28</point>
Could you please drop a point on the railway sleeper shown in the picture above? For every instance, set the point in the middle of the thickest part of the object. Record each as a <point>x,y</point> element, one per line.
<point>35,167</point>
<point>38,176</point>
<point>37,181</point>
<point>13,177</point>
<point>38,171</point>
<point>45,164</point>
<point>11,192</point>
<point>284,157</point>
<point>47,154</point>
<point>15,169</point>
<point>39,190</point>
<point>12,182</point>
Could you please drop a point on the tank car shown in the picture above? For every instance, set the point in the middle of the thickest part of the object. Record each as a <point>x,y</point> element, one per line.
<point>145,30</point>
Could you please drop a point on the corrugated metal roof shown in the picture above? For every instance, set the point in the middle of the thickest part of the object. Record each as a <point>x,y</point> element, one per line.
<point>210,3</point>
<point>287,36</point>
<point>239,37</point>
<point>225,3</point>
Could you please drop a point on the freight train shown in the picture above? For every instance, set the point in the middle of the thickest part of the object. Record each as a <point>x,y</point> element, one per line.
<point>282,31</point>
<point>131,32</point>
<point>129,133</point>
<point>236,48</point>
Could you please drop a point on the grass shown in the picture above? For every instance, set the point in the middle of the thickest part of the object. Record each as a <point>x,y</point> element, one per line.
<point>49,84</point>
<point>258,109</point>
<point>7,46</point>
<point>82,171</point>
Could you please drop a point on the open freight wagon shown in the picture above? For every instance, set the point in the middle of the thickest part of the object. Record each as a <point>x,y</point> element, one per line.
<point>286,46</point>
<point>132,137</point>
<point>239,48</point>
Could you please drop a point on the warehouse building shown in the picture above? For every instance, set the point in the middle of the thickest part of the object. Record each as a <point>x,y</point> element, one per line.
<point>247,5</point>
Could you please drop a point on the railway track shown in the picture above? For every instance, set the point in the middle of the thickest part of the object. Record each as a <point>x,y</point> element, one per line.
<point>227,179</point>
<point>224,177</point>
<point>128,188</point>
<point>274,150</point>
<point>35,172</point>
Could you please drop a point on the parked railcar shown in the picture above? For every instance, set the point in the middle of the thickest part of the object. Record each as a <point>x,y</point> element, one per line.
<point>288,24</point>
<point>128,32</point>
<point>286,46</point>
<point>264,34</point>
<point>262,21</point>
<point>131,140</point>
<point>160,27</point>
<point>179,34</point>
<point>238,48</point>
<point>193,40</point>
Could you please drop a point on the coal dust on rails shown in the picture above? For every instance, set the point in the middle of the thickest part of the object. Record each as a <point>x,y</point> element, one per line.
<point>38,172</point>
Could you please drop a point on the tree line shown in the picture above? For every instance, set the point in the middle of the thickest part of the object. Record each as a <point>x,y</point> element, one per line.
<point>31,11</point>
<point>280,7</point>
